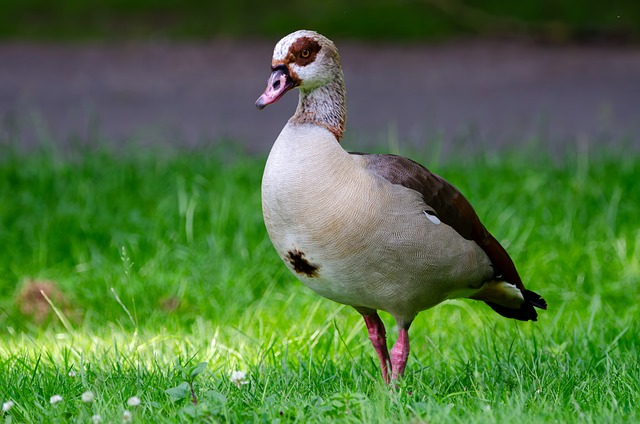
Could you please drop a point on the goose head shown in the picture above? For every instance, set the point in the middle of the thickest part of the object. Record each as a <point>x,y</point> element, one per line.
<point>309,61</point>
<point>303,59</point>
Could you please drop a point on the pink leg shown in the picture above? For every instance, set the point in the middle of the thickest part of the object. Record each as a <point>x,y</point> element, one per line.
<point>378,337</point>
<point>400,354</point>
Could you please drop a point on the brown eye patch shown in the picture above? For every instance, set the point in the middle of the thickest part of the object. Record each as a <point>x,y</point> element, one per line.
<point>304,51</point>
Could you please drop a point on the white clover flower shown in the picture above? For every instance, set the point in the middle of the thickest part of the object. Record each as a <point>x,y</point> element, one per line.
<point>96,419</point>
<point>238,378</point>
<point>127,417</point>
<point>133,401</point>
<point>72,373</point>
<point>55,399</point>
<point>87,396</point>
<point>7,405</point>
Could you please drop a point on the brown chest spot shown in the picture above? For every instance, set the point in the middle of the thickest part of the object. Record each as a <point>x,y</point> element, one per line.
<point>300,264</point>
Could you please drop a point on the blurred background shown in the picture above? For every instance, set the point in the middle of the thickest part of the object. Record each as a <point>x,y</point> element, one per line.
<point>556,21</point>
<point>461,74</point>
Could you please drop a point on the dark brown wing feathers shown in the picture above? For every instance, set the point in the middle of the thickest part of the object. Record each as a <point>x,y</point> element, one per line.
<point>454,210</point>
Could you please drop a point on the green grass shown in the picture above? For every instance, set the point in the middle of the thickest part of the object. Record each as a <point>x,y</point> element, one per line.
<point>362,19</point>
<point>160,262</point>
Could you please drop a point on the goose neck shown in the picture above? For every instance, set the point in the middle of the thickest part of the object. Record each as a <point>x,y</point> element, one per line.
<point>324,106</point>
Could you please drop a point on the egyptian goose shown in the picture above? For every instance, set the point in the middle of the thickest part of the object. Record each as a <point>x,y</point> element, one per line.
<point>377,232</point>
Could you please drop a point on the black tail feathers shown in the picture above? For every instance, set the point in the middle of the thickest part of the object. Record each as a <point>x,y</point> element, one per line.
<point>527,310</point>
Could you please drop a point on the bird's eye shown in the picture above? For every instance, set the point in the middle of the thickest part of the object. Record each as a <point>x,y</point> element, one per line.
<point>305,53</point>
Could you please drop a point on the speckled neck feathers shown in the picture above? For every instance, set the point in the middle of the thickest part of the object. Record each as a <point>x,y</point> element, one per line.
<point>324,105</point>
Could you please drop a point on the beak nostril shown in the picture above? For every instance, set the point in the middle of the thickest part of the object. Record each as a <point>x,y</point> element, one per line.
<point>279,83</point>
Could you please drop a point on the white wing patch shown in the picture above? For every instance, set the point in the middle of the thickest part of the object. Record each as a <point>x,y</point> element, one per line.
<point>432,217</point>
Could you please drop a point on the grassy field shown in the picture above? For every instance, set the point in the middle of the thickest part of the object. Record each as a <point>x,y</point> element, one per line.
<point>155,262</point>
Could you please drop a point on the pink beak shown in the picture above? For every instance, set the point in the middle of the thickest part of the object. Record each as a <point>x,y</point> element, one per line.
<point>279,83</point>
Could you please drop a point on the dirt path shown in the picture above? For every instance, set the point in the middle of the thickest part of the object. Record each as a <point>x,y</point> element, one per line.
<point>486,94</point>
